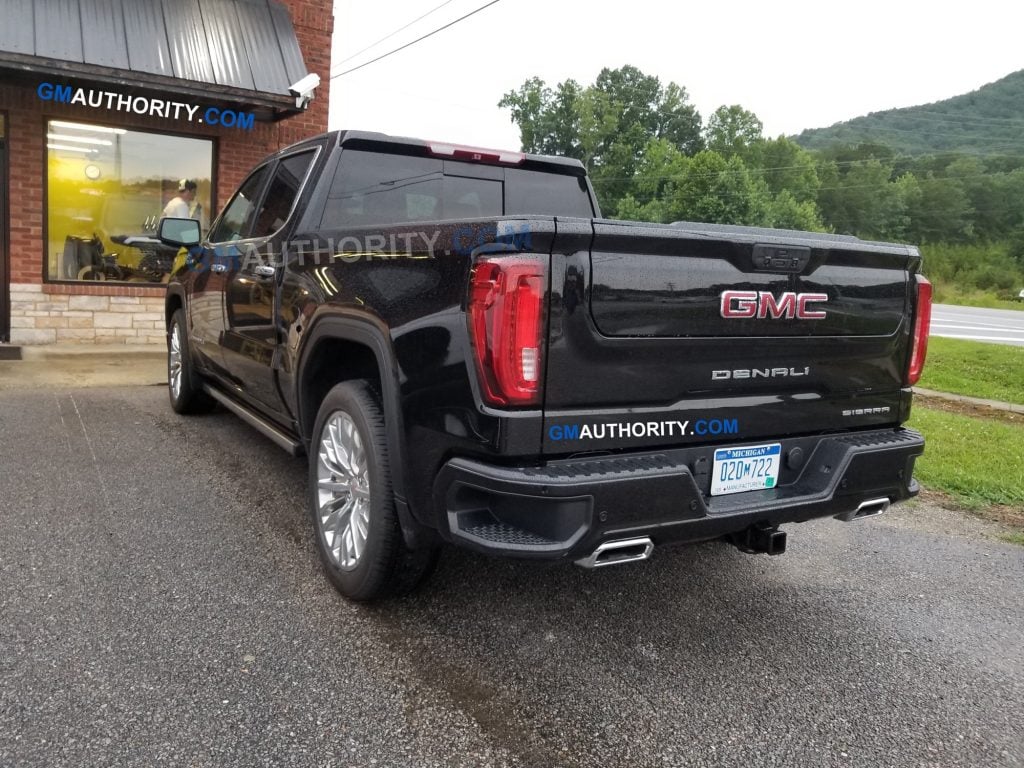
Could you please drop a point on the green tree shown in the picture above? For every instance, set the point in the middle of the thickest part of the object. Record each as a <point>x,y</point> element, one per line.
<point>785,166</point>
<point>859,199</point>
<point>847,154</point>
<point>607,125</point>
<point>718,190</point>
<point>995,190</point>
<point>941,213</point>
<point>597,124</point>
<point>786,212</point>
<point>660,112</point>
<point>631,209</point>
<point>731,130</point>
<point>679,122</point>
<point>660,169</point>
<point>906,197</point>
<point>643,145</point>
<point>548,120</point>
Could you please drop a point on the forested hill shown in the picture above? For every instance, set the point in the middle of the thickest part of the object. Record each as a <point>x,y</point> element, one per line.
<point>988,121</point>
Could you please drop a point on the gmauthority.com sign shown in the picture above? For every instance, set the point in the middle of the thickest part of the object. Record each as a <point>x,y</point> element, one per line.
<point>167,109</point>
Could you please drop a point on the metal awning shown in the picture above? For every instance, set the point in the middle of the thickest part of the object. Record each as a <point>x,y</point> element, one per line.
<point>234,51</point>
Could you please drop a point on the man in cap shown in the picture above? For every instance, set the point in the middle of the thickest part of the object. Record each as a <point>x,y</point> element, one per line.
<point>181,207</point>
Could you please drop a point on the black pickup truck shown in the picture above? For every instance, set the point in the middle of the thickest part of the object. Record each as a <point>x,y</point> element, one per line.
<point>469,354</point>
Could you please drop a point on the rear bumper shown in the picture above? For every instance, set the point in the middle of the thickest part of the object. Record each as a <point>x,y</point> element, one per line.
<point>567,508</point>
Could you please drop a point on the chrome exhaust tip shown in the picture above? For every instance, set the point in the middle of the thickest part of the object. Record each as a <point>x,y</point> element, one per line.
<point>618,553</point>
<point>866,509</point>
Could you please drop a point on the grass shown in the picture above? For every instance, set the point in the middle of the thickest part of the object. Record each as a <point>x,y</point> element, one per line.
<point>1014,538</point>
<point>977,462</point>
<point>974,275</point>
<point>975,369</point>
<point>952,294</point>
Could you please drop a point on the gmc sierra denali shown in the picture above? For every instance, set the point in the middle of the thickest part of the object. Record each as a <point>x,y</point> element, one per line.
<point>469,354</point>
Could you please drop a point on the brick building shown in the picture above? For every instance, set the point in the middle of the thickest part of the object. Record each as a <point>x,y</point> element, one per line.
<point>108,109</point>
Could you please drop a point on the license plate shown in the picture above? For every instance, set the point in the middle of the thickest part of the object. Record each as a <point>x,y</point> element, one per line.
<point>751,468</point>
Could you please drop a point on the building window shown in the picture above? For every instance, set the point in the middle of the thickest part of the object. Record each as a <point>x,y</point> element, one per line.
<point>106,191</point>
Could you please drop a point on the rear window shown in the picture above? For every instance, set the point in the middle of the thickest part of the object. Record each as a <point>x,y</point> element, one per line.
<point>372,188</point>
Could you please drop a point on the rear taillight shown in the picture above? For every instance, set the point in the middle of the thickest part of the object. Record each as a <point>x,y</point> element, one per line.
<point>506,324</point>
<point>922,323</point>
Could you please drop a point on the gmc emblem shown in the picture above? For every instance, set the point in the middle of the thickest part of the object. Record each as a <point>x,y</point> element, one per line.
<point>763,305</point>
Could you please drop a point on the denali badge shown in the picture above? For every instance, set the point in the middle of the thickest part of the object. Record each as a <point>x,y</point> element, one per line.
<point>760,373</point>
<point>763,305</point>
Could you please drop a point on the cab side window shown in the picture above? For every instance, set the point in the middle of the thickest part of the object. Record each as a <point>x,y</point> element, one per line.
<point>236,221</point>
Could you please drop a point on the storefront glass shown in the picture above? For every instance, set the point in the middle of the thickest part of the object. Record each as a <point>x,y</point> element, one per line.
<point>107,188</point>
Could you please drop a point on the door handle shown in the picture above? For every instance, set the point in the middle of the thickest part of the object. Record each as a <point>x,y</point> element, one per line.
<point>264,270</point>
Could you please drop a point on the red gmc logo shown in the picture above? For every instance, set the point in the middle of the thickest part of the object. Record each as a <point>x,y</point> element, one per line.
<point>763,305</point>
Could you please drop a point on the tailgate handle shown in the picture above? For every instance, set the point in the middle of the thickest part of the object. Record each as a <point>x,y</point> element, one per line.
<point>780,258</point>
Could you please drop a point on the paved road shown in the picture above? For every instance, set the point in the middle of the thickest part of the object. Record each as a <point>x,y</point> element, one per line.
<point>1000,326</point>
<point>162,605</point>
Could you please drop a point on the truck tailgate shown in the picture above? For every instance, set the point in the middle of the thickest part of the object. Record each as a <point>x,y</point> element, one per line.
<point>695,333</point>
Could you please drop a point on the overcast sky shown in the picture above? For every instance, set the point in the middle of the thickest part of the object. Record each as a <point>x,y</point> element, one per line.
<point>795,64</point>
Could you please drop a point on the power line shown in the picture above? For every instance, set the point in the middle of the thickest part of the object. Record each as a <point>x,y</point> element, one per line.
<point>418,39</point>
<point>400,29</point>
<point>751,171</point>
<point>922,116</point>
<point>866,129</point>
<point>950,117</point>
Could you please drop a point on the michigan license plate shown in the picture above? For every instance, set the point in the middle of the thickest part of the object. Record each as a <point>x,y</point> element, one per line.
<point>752,468</point>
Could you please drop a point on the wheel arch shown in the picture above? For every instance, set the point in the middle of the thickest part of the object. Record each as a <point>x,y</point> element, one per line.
<point>175,300</point>
<point>339,349</point>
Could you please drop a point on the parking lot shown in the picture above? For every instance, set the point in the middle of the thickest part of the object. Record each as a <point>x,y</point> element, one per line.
<point>162,603</point>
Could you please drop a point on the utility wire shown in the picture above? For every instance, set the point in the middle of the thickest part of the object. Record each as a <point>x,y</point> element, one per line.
<point>949,116</point>
<point>418,39</point>
<point>400,29</point>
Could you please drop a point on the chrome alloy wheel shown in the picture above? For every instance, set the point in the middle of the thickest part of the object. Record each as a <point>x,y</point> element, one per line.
<point>343,491</point>
<point>174,362</point>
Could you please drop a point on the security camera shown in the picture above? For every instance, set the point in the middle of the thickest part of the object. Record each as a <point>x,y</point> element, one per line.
<point>303,89</point>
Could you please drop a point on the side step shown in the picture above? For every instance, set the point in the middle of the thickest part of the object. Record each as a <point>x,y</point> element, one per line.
<point>255,421</point>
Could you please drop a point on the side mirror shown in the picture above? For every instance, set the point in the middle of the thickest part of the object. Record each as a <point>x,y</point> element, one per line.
<point>180,233</point>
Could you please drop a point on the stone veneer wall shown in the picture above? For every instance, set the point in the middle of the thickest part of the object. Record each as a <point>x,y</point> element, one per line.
<point>48,318</point>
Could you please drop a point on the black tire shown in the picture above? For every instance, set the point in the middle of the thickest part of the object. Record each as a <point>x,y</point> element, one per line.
<point>386,567</point>
<point>188,397</point>
<point>91,273</point>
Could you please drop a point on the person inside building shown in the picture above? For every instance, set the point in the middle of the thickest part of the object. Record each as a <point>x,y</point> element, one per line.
<point>184,206</point>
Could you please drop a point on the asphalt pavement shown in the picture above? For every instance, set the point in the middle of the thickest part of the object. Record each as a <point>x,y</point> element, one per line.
<point>162,604</point>
<point>999,326</point>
